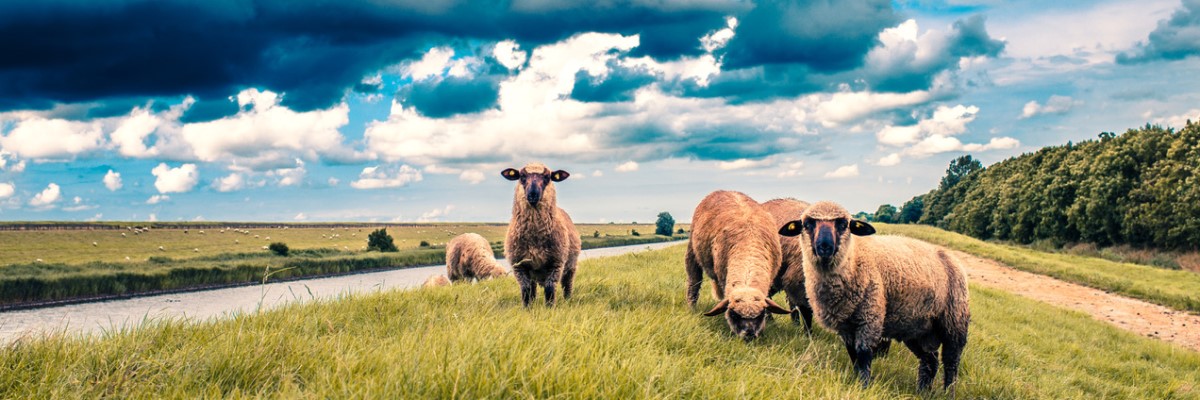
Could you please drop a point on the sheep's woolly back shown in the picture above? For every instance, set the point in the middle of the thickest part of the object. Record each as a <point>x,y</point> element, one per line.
<point>469,256</point>
<point>541,235</point>
<point>436,280</point>
<point>784,211</point>
<point>732,240</point>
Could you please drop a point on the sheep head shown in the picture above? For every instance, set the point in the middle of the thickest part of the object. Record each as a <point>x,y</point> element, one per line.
<point>535,183</point>
<point>825,230</point>
<point>746,311</point>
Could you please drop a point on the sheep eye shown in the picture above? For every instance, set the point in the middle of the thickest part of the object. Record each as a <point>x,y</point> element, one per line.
<point>841,224</point>
<point>810,224</point>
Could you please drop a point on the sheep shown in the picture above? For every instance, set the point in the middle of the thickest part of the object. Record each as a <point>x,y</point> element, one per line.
<point>732,244</point>
<point>541,243</point>
<point>436,280</point>
<point>94,244</point>
<point>469,256</point>
<point>870,288</point>
<point>790,278</point>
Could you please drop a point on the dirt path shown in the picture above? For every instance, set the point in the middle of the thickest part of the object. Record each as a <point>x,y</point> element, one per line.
<point>1137,316</point>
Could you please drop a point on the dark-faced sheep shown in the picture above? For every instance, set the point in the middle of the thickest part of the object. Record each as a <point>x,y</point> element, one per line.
<point>469,256</point>
<point>790,278</point>
<point>870,288</point>
<point>733,244</point>
<point>541,244</point>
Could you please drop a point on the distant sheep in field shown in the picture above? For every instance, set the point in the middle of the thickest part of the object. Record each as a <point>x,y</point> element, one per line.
<point>160,248</point>
<point>790,278</point>
<point>94,244</point>
<point>871,288</point>
<point>436,280</point>
<point>469,256</point>
<point>541,244</point>
<point>733,244</point>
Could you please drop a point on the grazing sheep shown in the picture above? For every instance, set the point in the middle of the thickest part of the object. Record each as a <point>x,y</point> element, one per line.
<point>436,280</point>
<point>870,288</point>
<point>541,244</point>
<point>732,244</point>
<point>469,256</point>
<point>160,248</point>
<point>94,244</point>
<point>790,278</point>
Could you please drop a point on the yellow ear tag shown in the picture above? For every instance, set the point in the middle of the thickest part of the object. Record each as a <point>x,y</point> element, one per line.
<point>857,224</point>
<point>512,173</point>
<point>792,226</point>
<point>556,176</point>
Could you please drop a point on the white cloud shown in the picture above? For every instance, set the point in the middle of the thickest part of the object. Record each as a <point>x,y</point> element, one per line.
<point>175,180</point>
<point>47,197</point>
<point>290,176</point>
<point>1178,121</point>
<point>333,181</point>
<point>792,169</point>
<point>112,180</point>
<point>940,144</point>
<point>744,163</point>
<point>230,183</point>
<point>436,214</point>
<point>158,198</point>
<point>628,166</point>
<point>838,108</point>
<point>152,218</point>
<point>597,173</point>
<point>472,176</point>
<point>300,217</point>
<point>509,55</point>
<point>1055,105</point>
<point>7,190</point>
<point>889,160</point>
<point>946,121</point>
<point>95,218</point>
<point>846,171</point>
<point>379,177</point>
<point>42,138</point>
<point>431,64</point>
<point>19,167</point>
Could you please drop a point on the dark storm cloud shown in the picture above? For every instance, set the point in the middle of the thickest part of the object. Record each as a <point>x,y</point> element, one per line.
<point>1174,39</point>
<point>618,85</point>
<point>822,35</point>
<point>78,51</point>
<point>449,96</point>
<point>967,38</point>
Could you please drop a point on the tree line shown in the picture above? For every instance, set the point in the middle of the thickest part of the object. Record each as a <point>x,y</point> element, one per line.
<point>1140,188</point>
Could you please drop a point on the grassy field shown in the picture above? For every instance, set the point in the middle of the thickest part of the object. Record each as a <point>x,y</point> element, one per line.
<point>75,246</point>
<point>626,334</point>
<point>223,262</point>
<point>1172,288</point>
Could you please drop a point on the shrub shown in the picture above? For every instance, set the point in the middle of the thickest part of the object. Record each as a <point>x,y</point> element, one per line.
<point>424,243</point>
<point>665,224</point>
<point>380,240</point>
<point>680,231</point>
<point>279,248</point>
<point>596,234</point>
<point>635,233</point>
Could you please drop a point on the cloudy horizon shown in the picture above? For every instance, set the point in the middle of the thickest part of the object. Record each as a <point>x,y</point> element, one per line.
<point>407,111</point>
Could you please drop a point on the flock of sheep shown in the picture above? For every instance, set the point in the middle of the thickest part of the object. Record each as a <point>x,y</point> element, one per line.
<point>869,290</point>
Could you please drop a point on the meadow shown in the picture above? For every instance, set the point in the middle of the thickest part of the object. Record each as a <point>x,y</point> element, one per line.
<point>72,267</point>
<point>1176,289</point>
<point>626,334</point>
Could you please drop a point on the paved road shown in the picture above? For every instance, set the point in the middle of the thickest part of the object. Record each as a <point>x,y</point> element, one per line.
<point>90,318</point>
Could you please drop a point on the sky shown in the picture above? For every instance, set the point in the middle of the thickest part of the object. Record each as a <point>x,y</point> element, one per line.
<point>407,110</point>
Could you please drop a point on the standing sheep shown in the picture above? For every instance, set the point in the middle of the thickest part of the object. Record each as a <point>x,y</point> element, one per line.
<point>469,256</point>
<point>790,278</point>
<point>541,244</point>
<point>732,243</point>
<point>870,288</point>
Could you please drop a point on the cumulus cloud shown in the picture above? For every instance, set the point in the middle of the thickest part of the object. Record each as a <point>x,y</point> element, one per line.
<point>628,166</point>
<point>792,169</point>
<point>41,138</point>
<point>379,177</point>
<point>112,180</point>
<point>47,197</point>
<point>175,180</point>
<point>845,171</point>
<point>889,160</point>
<point>744,163</point>
<point>290,176</point>
<point>1180,120</point>
<point>1055,105</point>
<point>158,198</point>
<point>7,190</point>
<point>18,167</point>
<point>436,214</point>
<point>300,217</point>
<point>1175,38</point>
<point>77,204</point>
<point>229,183</point>
<point>472,176</point>
<point>945,121</point>
<point>907,60</point>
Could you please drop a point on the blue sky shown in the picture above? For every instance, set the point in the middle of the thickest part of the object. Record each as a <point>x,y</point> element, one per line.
<point>408,110</point>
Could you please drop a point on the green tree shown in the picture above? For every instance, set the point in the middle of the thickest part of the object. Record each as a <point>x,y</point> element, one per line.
<point>279,248</point>
<point>380,240</point>
<point>886,214</point>
<point>665,224</point>
<point>911,211</point>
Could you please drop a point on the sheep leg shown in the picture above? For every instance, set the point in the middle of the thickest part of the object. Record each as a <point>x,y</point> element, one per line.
<point>925,348</point>
<point>807,314</point>
<point>548,286</point>
<point>695,277</point>
<point>860,355</point>
<point>528,288</point>
<point>952,348</point>
<point>568,278</point>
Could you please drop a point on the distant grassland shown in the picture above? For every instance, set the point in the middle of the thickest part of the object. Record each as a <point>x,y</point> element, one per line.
<point>1172,288</point>
<point>626,334</point>
<point>87,271</point>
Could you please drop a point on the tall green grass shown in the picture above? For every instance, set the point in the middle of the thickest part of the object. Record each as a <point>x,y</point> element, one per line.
<point>1171,288</point>
<point>626,334</point>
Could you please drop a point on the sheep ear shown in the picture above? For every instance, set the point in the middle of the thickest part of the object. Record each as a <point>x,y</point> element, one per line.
<point>792,228</point>
<point>559,176</point>
<point>511,174</point>
<point>861,228</point>
<point>718,309</point>
<point>776,308</point>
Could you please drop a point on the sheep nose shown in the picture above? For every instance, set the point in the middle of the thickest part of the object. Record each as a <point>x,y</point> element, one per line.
<point>533,198</point>
<point>825,249</point>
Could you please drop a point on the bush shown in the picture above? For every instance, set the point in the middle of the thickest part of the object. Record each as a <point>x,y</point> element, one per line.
<point>665,224</point>
<point>380,240</point>
<point>680,231</point>
<point>279,248</point>
<point>635,233</point>
<point>596,234</point>
<point>424,243</point>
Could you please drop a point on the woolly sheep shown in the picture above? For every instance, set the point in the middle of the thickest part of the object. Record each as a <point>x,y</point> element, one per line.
<point>469,256</point>
<point>731,242</point>
<point>790,278</point>
<point>870,288</point>
<point>541,244</point>
<point>436,280</point>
